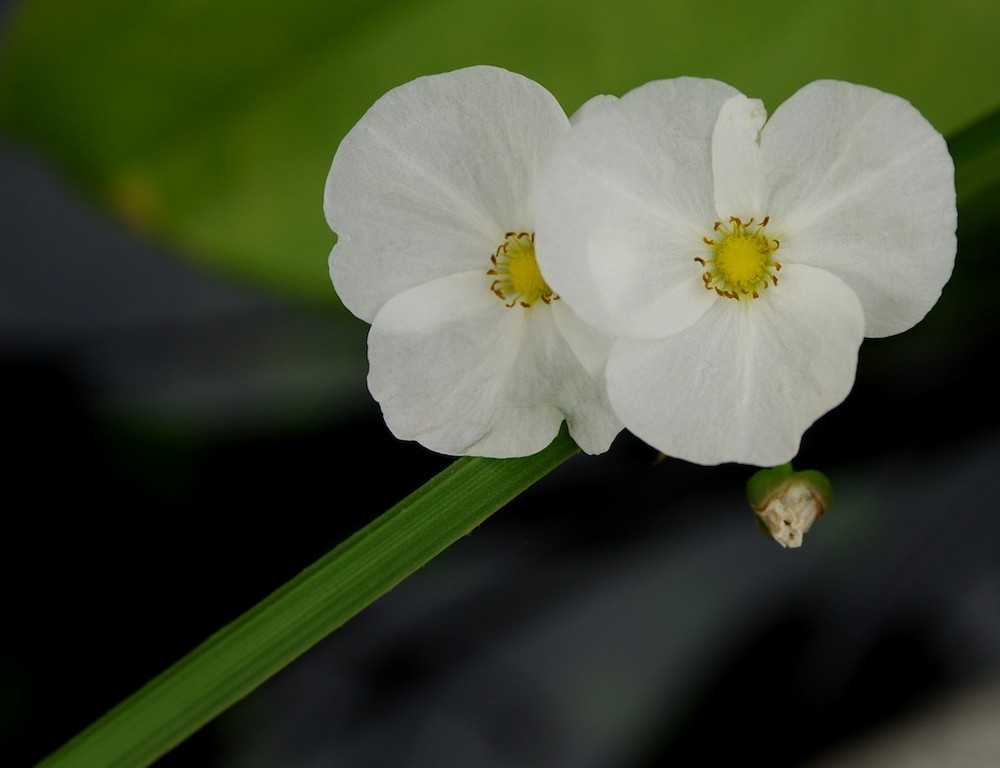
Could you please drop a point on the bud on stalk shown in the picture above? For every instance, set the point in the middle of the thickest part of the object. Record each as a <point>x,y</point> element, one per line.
<point>787,503</point>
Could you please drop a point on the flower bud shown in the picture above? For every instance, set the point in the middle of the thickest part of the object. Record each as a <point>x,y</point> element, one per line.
<point>787,503</point>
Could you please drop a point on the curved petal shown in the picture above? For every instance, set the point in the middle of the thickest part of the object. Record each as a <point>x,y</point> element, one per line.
<point>576,354</point>
<point>737,164</point>
<point>462,374</point>
<point>626,198</point>
<point>863,186</point>
<point>432,176</point>
<point>590,345</point>
<point>590,106</point>
<point>744,382</point>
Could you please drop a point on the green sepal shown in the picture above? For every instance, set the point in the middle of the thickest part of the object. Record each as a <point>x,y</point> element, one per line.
<point>763,484</point>
<point>820,484</point>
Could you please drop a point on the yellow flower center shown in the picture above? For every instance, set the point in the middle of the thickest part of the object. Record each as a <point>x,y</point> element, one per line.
<point>518,280</point>
<point>741,262</point>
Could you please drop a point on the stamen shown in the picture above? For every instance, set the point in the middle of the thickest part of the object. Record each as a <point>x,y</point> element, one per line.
<point>519,282</point>
<point>741,262</point>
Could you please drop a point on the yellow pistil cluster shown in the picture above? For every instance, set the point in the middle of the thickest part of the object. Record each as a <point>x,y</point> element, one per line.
<point>518,280</point>
<point>742,260</point>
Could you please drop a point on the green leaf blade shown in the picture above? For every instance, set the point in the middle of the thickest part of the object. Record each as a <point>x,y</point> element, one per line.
<point>268,637</point>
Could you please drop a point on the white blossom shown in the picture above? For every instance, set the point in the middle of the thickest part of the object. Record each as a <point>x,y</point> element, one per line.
<point>433,195</point>
<point>740,260</point>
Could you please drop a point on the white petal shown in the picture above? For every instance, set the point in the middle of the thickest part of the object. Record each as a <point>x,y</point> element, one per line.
<point>460,373</point>
<point>430,179</point>
<point>577,354</point>
<point>625,201</point>
<point>862,185</point>
<point>737,165</point>
<point>744,382</point>
<point>590,106</point>
<point>590,345</point>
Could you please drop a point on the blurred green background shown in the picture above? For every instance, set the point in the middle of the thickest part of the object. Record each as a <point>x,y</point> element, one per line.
<point>212,124</point>
<point>189,427</point>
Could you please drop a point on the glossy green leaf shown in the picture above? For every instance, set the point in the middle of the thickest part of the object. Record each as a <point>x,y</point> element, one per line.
<point>976,151</point>
<point>211,124</point>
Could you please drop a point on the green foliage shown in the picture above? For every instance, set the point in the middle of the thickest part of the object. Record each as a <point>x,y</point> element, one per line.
<point>211,124</point>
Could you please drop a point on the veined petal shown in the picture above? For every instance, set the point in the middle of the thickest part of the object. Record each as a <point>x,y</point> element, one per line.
<point>429,180</point>
<point>744,382</point>
<point>625,200</point>
<point>462,374</point>
<point>863,186</point>
<point>590,345</point>
<point>737,164</point>
<point>578,353</point>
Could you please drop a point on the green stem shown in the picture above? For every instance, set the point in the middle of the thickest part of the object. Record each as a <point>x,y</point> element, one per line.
<point>251,649</point>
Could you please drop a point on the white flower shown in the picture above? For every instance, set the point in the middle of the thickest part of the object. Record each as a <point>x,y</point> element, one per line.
<point>433,196</point>
<point>740,263</point>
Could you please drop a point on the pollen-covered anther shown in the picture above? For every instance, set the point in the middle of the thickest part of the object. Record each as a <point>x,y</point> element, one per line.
<point>518,279</point>
<point>740,263</point>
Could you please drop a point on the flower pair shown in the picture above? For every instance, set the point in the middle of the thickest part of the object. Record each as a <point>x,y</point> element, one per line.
<point>671,261</point>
